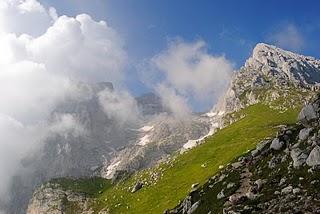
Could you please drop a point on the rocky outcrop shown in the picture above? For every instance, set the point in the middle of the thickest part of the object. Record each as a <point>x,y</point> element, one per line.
<point>269,74</point>
<point>51,198</point>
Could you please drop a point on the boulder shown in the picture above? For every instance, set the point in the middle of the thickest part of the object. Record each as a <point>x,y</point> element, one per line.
<point>276,144</point>
<point>314,157</point>
<point>304,133</point>
<point>237,199</point>
<point>296,190</point>
<point>259,148</point>
<point>230,185</point>
<point>308,114</point>
<point>186,204</point>
<point>298,157</point>
<point>287,190</point>
<point>137,187</point>
<point>220,194</point>
<point>193,207</point>
<point>282,181</point>
<point>259,183</point>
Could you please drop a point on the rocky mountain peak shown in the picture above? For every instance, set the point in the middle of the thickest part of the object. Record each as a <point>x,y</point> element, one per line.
<point>285,65</point>
<point>271,73</point>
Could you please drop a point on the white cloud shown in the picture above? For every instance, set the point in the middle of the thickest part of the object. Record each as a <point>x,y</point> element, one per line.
<point>16,140</point>
<point>288,37</point>
<point>192,72</point>
<point>41,55</point>
<point>120,106</point>
<point>171,100</point>
<point>24,17</point>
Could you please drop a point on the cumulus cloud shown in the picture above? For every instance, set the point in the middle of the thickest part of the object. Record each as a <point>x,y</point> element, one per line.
<point>41,55</point>
<point>191,73</point>
<point>173,101</point>
<point>120,106</point>
<point>288,37</point>
<point>25,17</point>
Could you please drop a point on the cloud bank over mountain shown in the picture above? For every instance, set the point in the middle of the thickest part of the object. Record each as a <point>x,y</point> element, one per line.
<point>42,54</point>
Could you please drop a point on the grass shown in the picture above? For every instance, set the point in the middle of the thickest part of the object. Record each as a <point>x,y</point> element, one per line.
<point>178,175</point>
<point>91,187</point>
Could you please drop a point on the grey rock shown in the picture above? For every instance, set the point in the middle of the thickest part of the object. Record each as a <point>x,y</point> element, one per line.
<point>193,208</point>
<point>230,185</point>
<point>274,161</point>
<point>308,114</point>
<point>282,181</point>
<point>276,144</point>
<point>276,193</point>
<point>314,157</point>
<point>260,147</point>
<point>237,199</point>
<point>296,191</point>
<point>304,133</point>
<point>221,194</point>
<point>186,204</point>
<point>299,158</point>
<point>287,190</point>
<point>259,183</point>
<point>137,187</point>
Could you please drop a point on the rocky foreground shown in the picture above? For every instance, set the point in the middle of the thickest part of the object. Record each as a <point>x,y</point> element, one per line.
<point>282,175</point>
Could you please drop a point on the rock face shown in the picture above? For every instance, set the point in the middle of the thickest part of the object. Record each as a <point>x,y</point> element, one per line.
<point>164,135</point>
<point>77,151</point>
<point>284,65</point>
<point>150,104</point>
<point>268,74</point>
<point>51,198</point>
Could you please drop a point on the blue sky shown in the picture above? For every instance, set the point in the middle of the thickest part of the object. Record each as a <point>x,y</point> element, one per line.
<point>231,28</point>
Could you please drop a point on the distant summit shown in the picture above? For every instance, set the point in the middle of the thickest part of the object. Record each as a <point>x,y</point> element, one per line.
<point>284,65</point>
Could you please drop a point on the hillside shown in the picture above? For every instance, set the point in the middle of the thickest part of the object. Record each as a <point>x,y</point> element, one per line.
<point>266,94</point>
<point>280,176</point>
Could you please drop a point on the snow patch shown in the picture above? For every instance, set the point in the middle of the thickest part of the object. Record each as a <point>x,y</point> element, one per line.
<point>190,144</point>
<point>146,128</point>
<point>221,113</point>
<point>211,114</point>
<point>111,168</point>
<point>144,140</point>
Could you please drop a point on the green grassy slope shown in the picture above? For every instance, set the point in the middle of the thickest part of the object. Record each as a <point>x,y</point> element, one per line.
<point>196,166</point>
<point>91,187</point>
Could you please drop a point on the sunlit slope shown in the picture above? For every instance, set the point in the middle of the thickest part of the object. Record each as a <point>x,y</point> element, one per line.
<point>176,177</point>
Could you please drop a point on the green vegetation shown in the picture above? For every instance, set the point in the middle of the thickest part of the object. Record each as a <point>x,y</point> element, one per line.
<point>194,166</point>
<point>92,187</point>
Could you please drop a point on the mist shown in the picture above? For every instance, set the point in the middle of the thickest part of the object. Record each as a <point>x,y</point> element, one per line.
<point>42,57</point>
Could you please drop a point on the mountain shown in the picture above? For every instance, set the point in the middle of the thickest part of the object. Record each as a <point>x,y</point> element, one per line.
<point>269,74</point>
<point>153,173</point>
<point>97,145</point>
